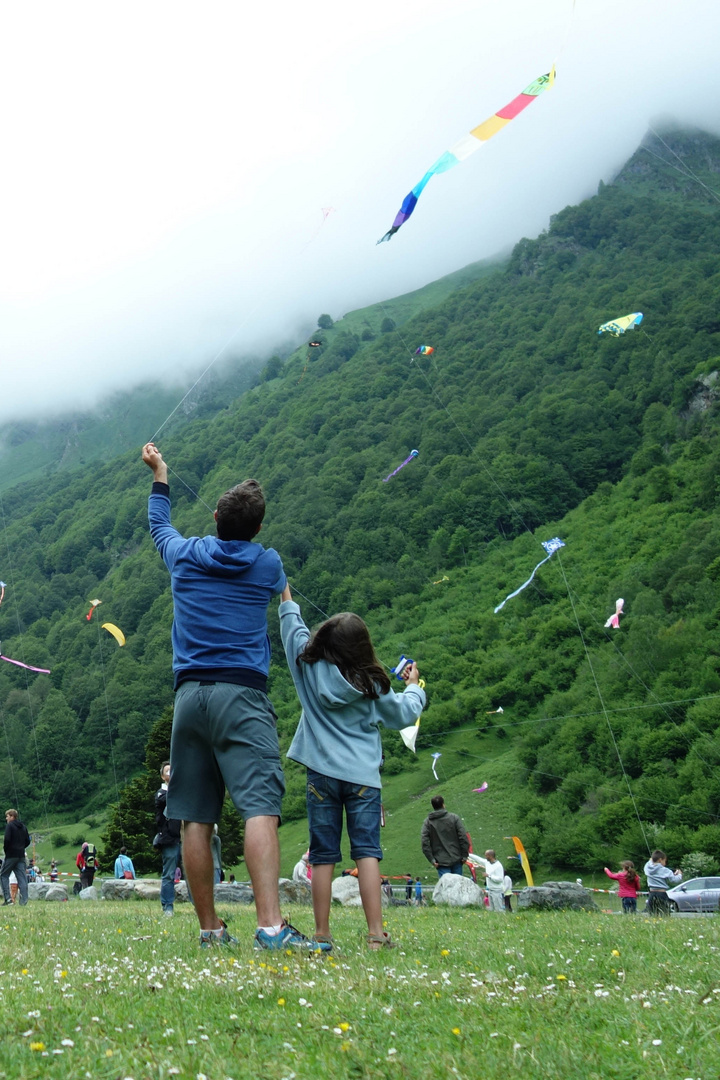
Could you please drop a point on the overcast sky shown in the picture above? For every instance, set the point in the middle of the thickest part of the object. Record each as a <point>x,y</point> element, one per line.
<point>165,163</point>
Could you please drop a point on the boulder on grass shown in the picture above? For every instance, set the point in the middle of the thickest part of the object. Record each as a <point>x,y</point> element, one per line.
<point>90,893</point>
<point>346,891</point>
<point>56,892</point>
<point>38,890</point>
<point>233,892</point>
<point>146,890</point>
<point>118,889</point>
<point>457,891</point>
<point>294,892</point>
<point>556,896</point>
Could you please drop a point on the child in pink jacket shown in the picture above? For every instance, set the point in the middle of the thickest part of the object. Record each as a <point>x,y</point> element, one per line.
<point>629,883</point>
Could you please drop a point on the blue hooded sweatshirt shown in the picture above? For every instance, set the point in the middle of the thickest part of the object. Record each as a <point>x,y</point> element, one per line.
<point>221,590</point>
<point>338,734</point>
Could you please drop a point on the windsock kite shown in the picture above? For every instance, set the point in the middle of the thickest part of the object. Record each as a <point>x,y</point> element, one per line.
<point>551,546</point>
<point>614,620</point>
<point>469,144</point>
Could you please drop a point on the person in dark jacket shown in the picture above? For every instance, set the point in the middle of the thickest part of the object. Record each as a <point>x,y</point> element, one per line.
<point>444,839</point>
<point>167,838</point>
<point>17,838</point>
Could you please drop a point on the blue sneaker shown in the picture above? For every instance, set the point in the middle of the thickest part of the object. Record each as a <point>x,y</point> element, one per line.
<point>290,938</point>
<point>210,938</point>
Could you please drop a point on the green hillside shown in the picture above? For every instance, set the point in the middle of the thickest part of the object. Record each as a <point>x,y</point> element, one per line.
<point>528,425</point>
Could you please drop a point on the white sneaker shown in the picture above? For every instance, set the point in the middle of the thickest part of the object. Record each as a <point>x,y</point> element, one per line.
<point>168,913</point>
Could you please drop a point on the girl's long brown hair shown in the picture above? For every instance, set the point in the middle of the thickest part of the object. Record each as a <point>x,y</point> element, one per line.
<point>344,640</point>
<point>630,872</point>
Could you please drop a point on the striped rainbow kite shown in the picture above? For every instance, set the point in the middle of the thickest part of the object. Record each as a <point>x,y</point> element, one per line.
<point>470,143</point>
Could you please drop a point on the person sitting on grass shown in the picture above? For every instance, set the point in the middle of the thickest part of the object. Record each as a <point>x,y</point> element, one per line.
<point>345,695</point>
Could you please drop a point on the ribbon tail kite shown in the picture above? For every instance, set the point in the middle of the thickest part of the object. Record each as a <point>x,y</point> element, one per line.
<point>28,667</point>
<point>425,350</point>
<point>469,144</point>
<point>551,546</point>
<point>616,327</point>
<point>614,620</point>
<point>409,735</point>
<point>522,855</point>
<point>413,454</point>
<point>483,787</point>
<point>434,763</point>
<point>491,712</point>
<point>115,631</point>
<point>93,605</point>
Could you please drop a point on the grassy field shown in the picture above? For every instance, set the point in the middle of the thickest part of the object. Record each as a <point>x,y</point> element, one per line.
<point>112,991</point>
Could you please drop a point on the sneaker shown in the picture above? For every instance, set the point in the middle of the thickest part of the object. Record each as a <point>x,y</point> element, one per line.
<point>168,912</point>
<point>290,938</point>
<point>210,938</point>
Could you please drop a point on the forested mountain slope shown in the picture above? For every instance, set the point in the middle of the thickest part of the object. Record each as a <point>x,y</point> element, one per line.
<point>526,422</point>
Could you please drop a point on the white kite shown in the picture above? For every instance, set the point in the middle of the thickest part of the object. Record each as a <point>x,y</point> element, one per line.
<point>435,757</point>
<point>614,620</point>
<point>409,735</point>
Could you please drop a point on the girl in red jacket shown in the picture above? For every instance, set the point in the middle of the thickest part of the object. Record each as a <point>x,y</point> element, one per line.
<point>629,885</point>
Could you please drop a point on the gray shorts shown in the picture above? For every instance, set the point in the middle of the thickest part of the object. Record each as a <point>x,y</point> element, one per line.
<point>223,735</point>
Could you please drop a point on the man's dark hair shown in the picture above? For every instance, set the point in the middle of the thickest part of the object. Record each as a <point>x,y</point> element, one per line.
<point>163,767</point>
<point>437,802</point>
<point>240,511</point>
<point>123,851</point>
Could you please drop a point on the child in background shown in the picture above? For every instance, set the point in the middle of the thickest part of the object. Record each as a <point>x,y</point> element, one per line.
<point>629,883</point>
<point>659,879</point>
<point>345,695</point>
<point>419,899</point>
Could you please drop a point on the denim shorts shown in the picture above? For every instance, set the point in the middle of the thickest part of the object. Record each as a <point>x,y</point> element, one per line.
<point>223,735</point>
<point>326,798</point>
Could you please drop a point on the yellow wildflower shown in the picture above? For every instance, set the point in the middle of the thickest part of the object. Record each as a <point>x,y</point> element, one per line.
<point>344,1026</point>
<point>281,1001</point>
<point>37,1046</point>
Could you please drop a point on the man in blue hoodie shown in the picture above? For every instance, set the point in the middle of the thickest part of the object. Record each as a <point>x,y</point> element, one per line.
<point>224,727</point>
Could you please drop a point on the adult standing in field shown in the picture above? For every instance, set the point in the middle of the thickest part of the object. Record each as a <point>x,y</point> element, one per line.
<point>16,840</point>
<point>167,839</point>
<point>124,865</point>
<point>86,863</point>
<point>494,879</point>
<point>224,727</point>
<point>444,839</point>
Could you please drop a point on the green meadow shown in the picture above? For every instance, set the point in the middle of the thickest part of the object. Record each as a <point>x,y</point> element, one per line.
<point>113,991</point>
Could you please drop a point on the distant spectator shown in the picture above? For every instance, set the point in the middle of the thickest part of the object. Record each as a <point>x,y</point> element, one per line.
<point>386,887</point>
<point>167,838</point>
<point>86,863</point>
<point>231,879</point>
<point>300,870</point>
<point>17,838</point>
<point>444,839</point>
<point>54,875</point>
<point>408,886</point>
<point>508,892</point>
<point>629,884</point>
<point>494,880</point>
<point>659,879</point>
<point>124,865</point>
<point>419,898</point>
<point>216,849</point>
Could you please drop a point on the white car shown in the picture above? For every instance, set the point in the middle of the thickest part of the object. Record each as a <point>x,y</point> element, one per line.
<point>697,894</point>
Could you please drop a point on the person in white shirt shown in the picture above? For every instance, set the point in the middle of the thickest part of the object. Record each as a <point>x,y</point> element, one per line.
<point>494,879</point>
<point>300,871</point>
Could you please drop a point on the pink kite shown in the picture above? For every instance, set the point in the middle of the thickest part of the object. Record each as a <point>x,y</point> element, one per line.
<point>483,787</point>
<point>614,620</point>
<point>42,670</point>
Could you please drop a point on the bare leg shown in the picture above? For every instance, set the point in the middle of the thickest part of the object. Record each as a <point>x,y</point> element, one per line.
<point>197,858</point>
<point>321,885</point>
<point>369,882</point>
<point>262,857</point>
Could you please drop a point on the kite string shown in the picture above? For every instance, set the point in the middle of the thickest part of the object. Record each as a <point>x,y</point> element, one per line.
<point>602,703</point>
<point>11,575</point>
<point>689,172</point>
<point>110,739</point>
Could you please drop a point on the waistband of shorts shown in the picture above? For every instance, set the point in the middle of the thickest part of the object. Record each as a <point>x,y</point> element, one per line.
<point>657,890</point>
<point>255,680</point>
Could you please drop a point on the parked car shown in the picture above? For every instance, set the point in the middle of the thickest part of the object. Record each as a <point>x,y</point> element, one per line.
<point>697,894</point>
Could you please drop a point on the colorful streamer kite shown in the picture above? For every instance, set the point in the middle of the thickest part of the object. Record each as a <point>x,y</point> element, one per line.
<point>479,790</point>
<point>413,453</point>
<point>441,580</point>
<point>425,350</point>
<point>491,712</point>
<point>614,620</point>
<point>93,605</point>
<point>616,327</point>
<point>28,667</point>
<point>551,546</point>
<point>469,144</point>
<point>522,856</point>
<point>434,762</point>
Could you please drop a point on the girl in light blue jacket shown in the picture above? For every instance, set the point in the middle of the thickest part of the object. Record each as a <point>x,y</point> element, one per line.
<point>345,695</point>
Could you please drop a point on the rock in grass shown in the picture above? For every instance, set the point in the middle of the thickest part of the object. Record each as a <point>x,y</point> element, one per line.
<point>37,890</point>
<point>557,896</point>
<point>90,893</point>
<point>234,892</point>
<point>147,890</point>
<point>294,892</point>
<point>118,889</point>
<point>56,892</point>
<point>457,891</point>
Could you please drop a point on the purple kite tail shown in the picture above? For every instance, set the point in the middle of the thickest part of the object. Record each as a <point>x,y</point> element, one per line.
<point>42,670</point>
<point>413,454</point>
